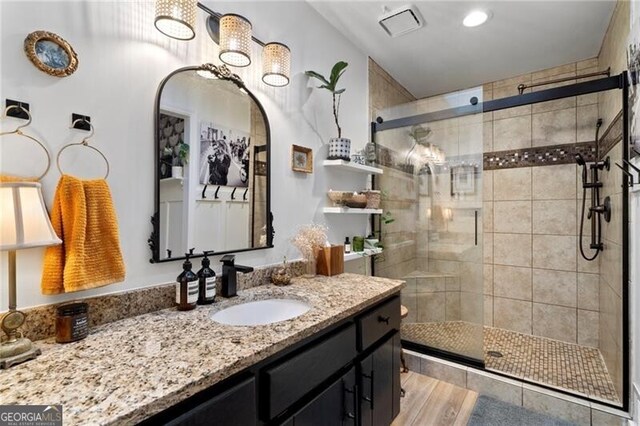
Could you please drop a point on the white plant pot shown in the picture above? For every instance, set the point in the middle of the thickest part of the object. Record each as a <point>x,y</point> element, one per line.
<point>176,171</point>
<point>339,149</point>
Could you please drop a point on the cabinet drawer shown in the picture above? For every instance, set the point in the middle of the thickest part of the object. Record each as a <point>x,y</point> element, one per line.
<point>290,380</point>
<point>233,407</point>
<point>373,325</point>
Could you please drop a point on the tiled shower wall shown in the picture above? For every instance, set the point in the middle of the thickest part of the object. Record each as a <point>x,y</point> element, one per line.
<point>535,280</point>
<point>399,188</point>
<point>613,53</point>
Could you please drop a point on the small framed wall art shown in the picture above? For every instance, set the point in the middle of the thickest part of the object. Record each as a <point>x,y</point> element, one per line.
<point>51,53</point>
<point>301,159</point>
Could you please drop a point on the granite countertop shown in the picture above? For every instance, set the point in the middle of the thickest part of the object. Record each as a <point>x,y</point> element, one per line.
<point>128,370</point>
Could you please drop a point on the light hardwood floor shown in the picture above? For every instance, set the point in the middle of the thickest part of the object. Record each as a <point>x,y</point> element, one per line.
<point>431,402</point>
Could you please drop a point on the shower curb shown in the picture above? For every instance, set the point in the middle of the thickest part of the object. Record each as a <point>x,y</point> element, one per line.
<point>536,398</point>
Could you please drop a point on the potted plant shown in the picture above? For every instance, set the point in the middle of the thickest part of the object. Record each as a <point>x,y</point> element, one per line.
<point>339,148</point>
<point>180,161</point>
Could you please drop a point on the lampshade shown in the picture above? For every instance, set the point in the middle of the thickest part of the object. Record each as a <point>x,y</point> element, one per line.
<point>235,40</point>
<point>176,18</point>
<point>276,64</point>
<point>24,221</point>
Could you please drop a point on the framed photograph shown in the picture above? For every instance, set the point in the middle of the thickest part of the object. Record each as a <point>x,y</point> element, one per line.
<point>51,53</point>
<point>301,159</point>
<point>463,180</point>
<point>224,156</point>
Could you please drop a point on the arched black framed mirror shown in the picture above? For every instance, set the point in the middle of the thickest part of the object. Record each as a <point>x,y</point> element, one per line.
<point>212,166</point>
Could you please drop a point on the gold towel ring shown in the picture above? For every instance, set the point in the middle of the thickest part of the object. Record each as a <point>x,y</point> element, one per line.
<point>18,131</point>
<point>84,142</point>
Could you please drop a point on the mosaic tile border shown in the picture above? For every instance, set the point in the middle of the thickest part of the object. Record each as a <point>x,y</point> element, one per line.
<point>550,155</point>
<point>611,136</point>
<point>41,320</point>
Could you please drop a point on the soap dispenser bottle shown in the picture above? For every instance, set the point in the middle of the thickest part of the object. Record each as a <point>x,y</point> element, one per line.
<point>206,282</point>
<point>187,287</point>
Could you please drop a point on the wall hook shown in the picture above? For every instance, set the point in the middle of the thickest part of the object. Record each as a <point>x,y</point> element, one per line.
<point>233,193</point>
<point>244,196</point>
<point>216,194</point>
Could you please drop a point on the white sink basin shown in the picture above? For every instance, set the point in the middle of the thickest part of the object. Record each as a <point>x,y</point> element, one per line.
<point>261,312</point>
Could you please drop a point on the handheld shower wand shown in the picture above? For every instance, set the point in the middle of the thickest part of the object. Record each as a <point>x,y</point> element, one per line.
<point>600,211</point>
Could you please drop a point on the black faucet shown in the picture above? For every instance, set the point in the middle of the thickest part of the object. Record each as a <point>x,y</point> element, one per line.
<point>230,275</point>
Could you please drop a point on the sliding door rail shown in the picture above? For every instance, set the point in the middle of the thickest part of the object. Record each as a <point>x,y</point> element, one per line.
<point>584,88</point>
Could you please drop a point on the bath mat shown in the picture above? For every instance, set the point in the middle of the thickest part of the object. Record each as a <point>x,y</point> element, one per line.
<point>491,412</point>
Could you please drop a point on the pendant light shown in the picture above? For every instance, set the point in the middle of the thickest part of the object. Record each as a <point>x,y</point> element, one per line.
<point>235,40</point>
<point>276,64</point>
<point>176,18</point>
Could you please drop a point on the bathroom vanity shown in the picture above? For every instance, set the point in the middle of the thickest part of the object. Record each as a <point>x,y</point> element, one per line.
<point>338,363</point>
<point>346,374</point>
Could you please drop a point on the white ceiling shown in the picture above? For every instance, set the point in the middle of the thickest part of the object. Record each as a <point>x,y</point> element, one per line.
<point>520,37</point>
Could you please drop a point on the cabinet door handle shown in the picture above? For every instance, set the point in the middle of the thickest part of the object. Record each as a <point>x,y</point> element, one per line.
<point>370,398</point>
<point>383,319</point>
<point>348,414</point>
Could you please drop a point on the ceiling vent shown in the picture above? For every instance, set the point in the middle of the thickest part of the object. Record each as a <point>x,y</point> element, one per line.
<point>401,21</point>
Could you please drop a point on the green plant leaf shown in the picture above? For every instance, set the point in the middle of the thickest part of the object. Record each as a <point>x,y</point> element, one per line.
<point>337,92</point>
<point>317,75</point>
<point>337,71</point>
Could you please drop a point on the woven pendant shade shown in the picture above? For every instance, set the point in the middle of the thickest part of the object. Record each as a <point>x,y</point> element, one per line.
<point>235,40</point>
<point>276,64</point>
<point>176,18</point>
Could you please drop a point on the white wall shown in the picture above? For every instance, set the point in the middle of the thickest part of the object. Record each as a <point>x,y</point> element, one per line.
<point>122,58</point>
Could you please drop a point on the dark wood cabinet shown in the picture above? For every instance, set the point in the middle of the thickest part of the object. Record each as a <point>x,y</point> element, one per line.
<point>345,375</point>
<point>233,407</point>
<point>336,406</point>
<point>294,377</point>
<point>380,383</point>
<point>378,322</point>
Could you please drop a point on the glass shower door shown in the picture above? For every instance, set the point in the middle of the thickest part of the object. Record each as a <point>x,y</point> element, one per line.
<point>432,185</point>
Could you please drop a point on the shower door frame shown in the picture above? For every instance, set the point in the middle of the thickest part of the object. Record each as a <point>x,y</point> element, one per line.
<point>621,82</point>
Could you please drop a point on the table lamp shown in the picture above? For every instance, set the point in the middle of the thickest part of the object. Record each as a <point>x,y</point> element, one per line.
<point>24,223</point>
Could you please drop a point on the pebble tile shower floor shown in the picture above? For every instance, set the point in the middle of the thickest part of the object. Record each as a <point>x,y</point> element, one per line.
<point>579,369</point>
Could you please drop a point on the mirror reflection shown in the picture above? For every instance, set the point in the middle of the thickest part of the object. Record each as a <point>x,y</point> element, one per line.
<point>213,150</point>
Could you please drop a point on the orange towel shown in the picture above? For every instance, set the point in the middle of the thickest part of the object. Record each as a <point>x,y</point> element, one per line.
<point>89,256</point>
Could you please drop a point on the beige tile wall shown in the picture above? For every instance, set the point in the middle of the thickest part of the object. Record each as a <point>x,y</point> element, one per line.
<point>613,53</point>
<point>400,189</point>
<point>610,285</point>
<point>533,280</point>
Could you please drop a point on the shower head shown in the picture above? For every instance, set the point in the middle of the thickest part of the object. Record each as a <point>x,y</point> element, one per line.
<point>580,160</point>
<point>419,134</point>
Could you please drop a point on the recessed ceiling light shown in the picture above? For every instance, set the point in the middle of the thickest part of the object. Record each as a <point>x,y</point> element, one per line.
<point>475,18</point>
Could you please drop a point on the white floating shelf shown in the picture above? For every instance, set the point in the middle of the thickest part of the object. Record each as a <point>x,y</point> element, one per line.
<point>361,254</point>
<point>353,167</point>
<point>347,210</point>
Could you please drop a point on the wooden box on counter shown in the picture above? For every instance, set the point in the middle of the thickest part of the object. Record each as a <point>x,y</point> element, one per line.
<point>330,261</point>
